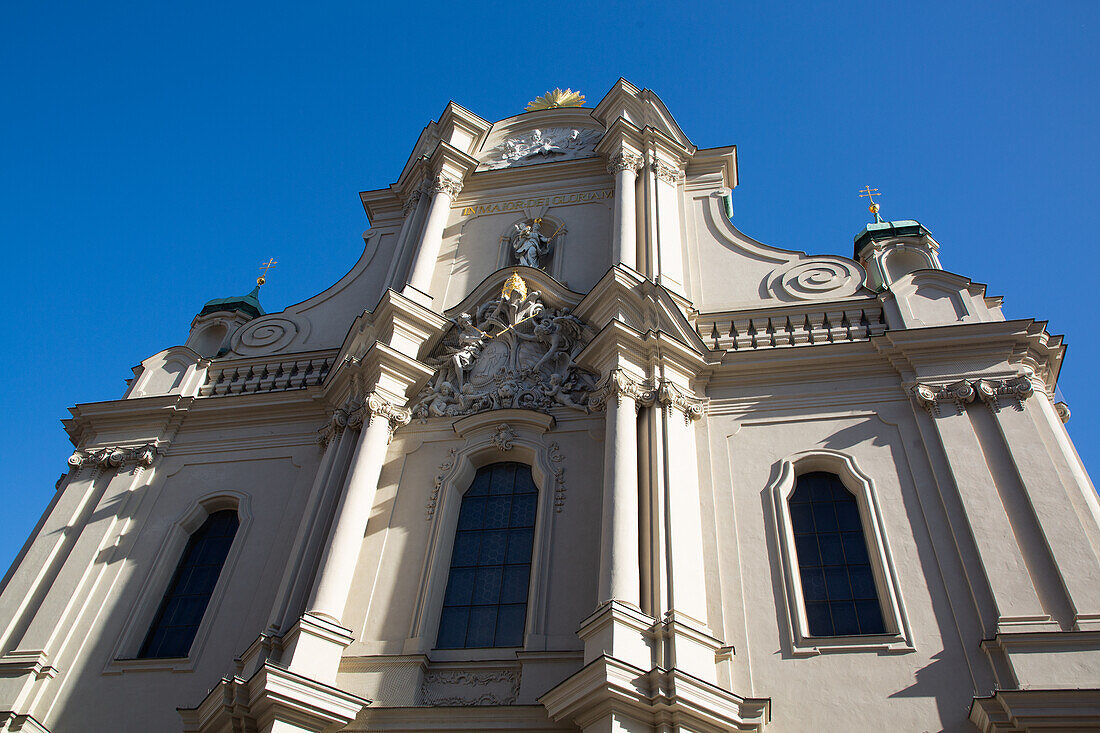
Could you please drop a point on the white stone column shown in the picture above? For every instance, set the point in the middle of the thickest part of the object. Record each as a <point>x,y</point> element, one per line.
<point>624,167</point>
<point>620,570</point>
<point>443,189</point>
<point>334,575</point>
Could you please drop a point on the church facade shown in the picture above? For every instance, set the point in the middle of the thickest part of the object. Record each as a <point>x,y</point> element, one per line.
<point>565,450</point>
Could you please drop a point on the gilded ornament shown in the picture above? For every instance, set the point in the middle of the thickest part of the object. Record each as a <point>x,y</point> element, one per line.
<point>556,98</point>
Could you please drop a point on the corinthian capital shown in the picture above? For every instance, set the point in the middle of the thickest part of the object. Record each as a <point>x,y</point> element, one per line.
<point>620,384</point>
<point>411,201</point>
<point>444,184</point>
<point>665,172</point>
<point>672,397</point>
<point>624,160</point>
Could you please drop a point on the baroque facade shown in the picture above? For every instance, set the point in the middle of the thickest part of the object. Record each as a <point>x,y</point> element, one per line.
<point>566,450</point>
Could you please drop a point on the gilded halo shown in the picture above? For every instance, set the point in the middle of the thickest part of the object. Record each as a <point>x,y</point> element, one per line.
<point>556,98</point>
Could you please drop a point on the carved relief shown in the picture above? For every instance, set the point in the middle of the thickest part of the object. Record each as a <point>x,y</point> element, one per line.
<point>556,459</point>
<point>433,498</point>
<point>513,351</point>
<point>542,146</point>
<point>475,687</point>
<point>503,437</point>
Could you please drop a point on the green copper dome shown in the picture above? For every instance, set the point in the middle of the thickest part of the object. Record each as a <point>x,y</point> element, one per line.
<point>249,304</point>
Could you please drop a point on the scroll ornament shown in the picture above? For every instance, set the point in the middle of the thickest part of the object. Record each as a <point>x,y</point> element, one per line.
<point>965,391</point>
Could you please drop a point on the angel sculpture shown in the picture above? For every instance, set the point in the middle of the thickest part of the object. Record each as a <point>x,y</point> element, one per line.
<point>530,244</point>
<point>470,340</point>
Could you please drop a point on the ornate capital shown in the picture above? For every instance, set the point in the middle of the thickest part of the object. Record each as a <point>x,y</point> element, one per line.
<point>411,201</point>
<point>665,172</point>
<point>444,184</point>
<point>624,160</point>
<point>672,397</point>
<point>378,406</point>
<point>966,391</point>
<point>105,459</point>
<point>620,384</point>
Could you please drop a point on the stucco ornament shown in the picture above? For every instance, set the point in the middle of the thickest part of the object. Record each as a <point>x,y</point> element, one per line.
<point>530,244</point>
<point>512,351</point>
<point>541,146</point>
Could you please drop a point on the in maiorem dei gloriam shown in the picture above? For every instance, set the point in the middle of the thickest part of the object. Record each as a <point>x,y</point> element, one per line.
<point>567,451</point>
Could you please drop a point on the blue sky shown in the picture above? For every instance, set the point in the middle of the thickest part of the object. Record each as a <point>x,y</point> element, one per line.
<point>155,154</point>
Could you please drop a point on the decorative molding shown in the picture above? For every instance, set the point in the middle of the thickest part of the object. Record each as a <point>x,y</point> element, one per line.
<point>444,184</point>
<point>786,326</point>
<point>619,384</point>
<point>965,391</point>
<point>225,378</point>
<point>511,352</point>
<point>503,437</point>
<point>624,160</point>
<point>141,456</point>
<point>556,458</point>
<point>543,146</point>
<point>1063,411</point>
<point>473,687</point>
<point>332,429</point>
<point>672,397</point>
<point>433,498</point>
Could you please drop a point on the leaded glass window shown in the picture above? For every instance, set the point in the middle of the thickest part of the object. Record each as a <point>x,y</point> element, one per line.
<point>485,604</point>
<point>188,594</point>
<point>838,583</point>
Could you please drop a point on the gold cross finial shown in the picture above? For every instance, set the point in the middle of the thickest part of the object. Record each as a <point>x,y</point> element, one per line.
<point>263,270</point>
<point>870,193</point>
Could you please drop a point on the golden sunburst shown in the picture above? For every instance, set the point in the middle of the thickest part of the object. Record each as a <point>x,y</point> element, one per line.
<point>557,98</point>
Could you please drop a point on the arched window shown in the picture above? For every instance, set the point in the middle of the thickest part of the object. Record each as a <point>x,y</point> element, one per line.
<point>180,613</point>
<point>838,583</point>
<point>485,604</point>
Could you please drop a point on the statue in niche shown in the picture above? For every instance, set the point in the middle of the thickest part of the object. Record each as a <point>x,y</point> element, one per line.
<point>529,244</point>
<point>511,351</point>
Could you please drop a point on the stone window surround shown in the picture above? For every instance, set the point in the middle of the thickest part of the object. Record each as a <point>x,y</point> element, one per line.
<point>530,446</point>
<point>898,636</point>
<point>123,657</point>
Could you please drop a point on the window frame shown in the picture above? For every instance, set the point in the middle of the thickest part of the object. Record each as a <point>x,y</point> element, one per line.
<point>898,636</point>
<point>456,474</point>
<point>124,657</point>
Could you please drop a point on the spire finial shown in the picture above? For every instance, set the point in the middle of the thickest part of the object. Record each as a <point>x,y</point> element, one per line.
<point>263,271</point>
<point>870,193</point>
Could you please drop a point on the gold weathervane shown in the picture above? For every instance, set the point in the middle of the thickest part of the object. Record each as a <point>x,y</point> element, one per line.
<point>263,271</point>
<point>556,98</point>
<point>869,193</point>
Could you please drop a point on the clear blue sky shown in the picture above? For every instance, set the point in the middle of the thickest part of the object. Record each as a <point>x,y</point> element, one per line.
<point>154,154</point>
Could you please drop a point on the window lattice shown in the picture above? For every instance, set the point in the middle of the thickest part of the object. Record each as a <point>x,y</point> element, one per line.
<point>485,604</point>
<point>838,583</point>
